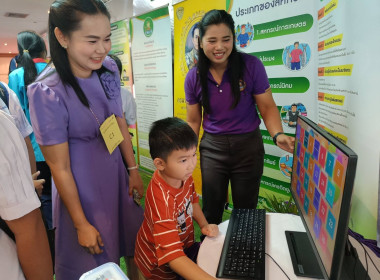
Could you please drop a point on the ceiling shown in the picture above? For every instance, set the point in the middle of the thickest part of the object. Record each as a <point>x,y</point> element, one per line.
<point>37,17</point>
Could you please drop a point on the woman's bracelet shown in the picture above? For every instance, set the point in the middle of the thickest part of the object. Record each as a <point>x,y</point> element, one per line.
<point>133,167</point>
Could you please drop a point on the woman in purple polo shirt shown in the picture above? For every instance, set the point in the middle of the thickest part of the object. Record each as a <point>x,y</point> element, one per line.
<point>228,85</point>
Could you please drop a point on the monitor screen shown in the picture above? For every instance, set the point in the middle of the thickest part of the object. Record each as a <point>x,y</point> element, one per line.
<point>321,185</point>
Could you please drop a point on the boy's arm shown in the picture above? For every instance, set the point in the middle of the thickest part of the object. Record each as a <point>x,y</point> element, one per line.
<point>188,269</point>
<point>211,230</point>
<point>198,215</point>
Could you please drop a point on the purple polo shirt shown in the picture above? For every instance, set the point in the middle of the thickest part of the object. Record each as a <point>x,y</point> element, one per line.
<point>223,120</point>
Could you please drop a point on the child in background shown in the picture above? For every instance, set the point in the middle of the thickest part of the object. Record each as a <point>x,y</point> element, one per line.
<point>165,242</point>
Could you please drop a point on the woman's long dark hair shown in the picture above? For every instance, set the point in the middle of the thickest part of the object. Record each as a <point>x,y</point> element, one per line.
<point>235,60</point>
<point>30,45</point>
<point>67,15</point>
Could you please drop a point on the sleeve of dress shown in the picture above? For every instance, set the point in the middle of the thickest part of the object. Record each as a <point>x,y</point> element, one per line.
<point>48,114</point>
<point>191,87</point>
<point>260,78</point>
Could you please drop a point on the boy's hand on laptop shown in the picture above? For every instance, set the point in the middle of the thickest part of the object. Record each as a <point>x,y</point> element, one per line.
<point>210,230</point>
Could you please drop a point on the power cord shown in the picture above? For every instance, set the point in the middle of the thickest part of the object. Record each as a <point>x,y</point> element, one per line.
<point>367,255</point>
<point>371,243</point>
<point>278,265</point>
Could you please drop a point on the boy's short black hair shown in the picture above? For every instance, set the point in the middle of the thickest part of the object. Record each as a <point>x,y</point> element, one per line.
<point>167,135</point>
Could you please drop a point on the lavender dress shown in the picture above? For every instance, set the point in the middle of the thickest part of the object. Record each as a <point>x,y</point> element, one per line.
<point>58,116</point>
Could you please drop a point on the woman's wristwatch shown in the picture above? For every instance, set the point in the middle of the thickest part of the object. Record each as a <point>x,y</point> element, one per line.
<point>275,137</point>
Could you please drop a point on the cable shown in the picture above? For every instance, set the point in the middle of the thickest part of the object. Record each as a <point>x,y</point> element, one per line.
<point>358,238</point>
<point>366,254</point>
<point>278,265</point>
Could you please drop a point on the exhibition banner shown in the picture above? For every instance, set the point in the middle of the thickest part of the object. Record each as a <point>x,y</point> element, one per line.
<point>282,35</point>
<point>120,47</point>
<point>152,74</point>
<point>186,16</point>
<point>321,63</point>
<point>347,96</point>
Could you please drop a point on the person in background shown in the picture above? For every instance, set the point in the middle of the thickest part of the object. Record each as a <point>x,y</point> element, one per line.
<point>224,90</point>
<point>72,100</point>
<point>13,63</point>
<point>129,103</point>
<point>27,257</point>
<point>10,105</point>
<point>165,245</point>
<point>31,61</point>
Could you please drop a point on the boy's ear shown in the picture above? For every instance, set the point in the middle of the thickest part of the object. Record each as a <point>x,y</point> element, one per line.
<point>159,163</point>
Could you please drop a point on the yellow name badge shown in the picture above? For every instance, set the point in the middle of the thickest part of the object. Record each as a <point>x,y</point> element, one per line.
<point>111,133</point>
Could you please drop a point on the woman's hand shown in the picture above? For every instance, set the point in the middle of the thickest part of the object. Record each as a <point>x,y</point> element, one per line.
<point>210,230</point>
<point>285,142</point>
<point>135,182</point>
<point>89,238</point>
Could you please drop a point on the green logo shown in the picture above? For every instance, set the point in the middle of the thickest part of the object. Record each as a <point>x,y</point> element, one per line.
<point>148,27</point>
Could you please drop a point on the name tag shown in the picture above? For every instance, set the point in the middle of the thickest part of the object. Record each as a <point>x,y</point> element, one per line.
<point>111,133</point>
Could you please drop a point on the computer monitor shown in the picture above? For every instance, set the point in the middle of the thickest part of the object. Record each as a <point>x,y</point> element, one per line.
<point>321,185</point>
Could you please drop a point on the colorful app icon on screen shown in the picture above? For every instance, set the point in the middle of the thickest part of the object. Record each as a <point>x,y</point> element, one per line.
<point>330,193</point>
<point>330,225</point>
<point>330,164</point>
<point>323,210</point>
<point>323,183</point>
<point>317,226</point>
<point>316,149</point>
<point>322,156</point>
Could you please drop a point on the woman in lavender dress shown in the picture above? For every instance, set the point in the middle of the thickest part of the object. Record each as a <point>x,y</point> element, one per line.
<point>94,214</point>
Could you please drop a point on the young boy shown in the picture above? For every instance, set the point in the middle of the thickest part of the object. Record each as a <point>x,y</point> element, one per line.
<point>171,205</point>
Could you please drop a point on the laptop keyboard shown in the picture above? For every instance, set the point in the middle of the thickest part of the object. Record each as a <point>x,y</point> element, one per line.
<point>243,253</point>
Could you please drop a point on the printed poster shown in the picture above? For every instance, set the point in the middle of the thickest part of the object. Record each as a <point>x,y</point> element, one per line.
<point>120,47</point>
<point>282,35</point>
<point>152,74</point>
<point>348,99</point>
<point>186,16</point>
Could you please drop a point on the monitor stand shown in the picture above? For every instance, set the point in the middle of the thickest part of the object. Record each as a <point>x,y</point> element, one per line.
<point>305,262</point>
<point>352,267</point>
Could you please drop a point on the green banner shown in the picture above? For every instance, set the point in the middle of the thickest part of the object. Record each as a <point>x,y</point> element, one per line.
<point>270,58</point>
<point>272,161</point>
<point>289,85</point>
<point>286,26</point>
<point>275,185</point>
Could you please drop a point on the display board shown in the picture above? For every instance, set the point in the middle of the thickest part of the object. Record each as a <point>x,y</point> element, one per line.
<point>152,74</point>
<point>186,15</point>
<point>120,47</point>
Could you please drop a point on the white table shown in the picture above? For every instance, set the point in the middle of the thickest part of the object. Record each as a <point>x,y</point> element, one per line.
<point>275,245</point>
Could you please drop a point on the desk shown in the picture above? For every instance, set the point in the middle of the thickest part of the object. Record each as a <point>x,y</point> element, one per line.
<point>275,245</point>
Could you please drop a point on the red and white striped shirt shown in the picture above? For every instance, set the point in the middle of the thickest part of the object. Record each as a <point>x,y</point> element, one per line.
<point>167,228</point>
